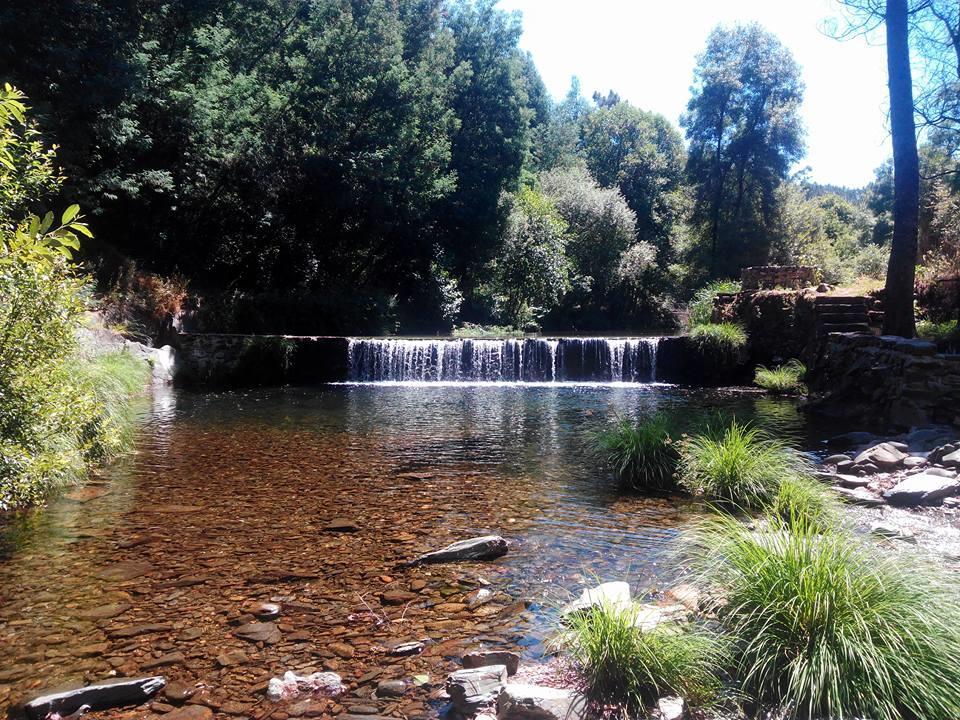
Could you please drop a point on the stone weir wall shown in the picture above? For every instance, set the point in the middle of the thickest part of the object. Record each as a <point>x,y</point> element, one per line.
<point>896,381</point>
<point>221,360</point>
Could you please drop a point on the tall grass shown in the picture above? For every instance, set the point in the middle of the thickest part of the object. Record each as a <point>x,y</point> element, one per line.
<point>738,464</point>
<point>701,305</point>
<point>631,669</point>
<point>722,342</point>
<point>802,500</point>
<point>824,626</point>
<point>642,455</point>
<point>786,379</point>
<point>111,381</point>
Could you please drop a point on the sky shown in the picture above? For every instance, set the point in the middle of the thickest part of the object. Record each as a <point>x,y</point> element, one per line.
<point>645,50</point>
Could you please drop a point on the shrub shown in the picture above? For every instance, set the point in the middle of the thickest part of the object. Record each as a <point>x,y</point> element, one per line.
<point>624,666</point>
<point>937,331</point>
<point>801,499</point>
<point>723,342</point>
<point>701,306</point>
<point>642,455</point>
<point>739,465</point>
<point>786,379</point>
<point>872,261</point>
<point>823,626</point>
<point>471,331</point>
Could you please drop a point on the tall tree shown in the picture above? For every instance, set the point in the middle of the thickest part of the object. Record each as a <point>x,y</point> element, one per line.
<point>744,132</point>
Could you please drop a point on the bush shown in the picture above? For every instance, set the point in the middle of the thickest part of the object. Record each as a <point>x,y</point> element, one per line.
<point>642,455</point>
<point>631,669</point>
<point>872,262</point>
<point>824,626</point>
<point>937,331</point>
<point>786,379</point>
<point>723,342</point>
<point>739,465</point>
<point>471,331</point>
<point>701,306</point>
<point>801,499</point>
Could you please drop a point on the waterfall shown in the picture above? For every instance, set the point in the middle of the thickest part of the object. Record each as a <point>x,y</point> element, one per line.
<point>507,360</point>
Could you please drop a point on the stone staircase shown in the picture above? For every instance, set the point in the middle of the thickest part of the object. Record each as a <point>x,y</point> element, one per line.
<point>836,313</point>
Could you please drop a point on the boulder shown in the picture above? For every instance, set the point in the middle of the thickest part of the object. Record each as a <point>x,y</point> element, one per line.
<point>922,489</point>
<point>672,708</point>
<point>914,462</point>
<point>99,696</point>
<point>486,658</point>
<point>942,472</point>
<point>610,594</point>
<point>884,455</point>
<point>485,547</point>
<point>948,454</point>
<point>836,459</point>
<point>858,496</point>
<point>470,688</point>
<point>534,702</point>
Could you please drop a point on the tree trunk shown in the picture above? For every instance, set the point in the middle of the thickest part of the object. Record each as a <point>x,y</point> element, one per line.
<point>898,300</point>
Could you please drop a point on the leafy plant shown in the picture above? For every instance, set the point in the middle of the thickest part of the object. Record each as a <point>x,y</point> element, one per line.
<point>642,455</point>
<point>739,464</point>
<point>937,331</point>
<point>624,666</point>
<point>786,379</point>
<point>824,626</point>
<point>469,330</point>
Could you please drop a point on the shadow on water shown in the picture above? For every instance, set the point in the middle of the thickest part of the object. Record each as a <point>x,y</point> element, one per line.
<point>227,501</point>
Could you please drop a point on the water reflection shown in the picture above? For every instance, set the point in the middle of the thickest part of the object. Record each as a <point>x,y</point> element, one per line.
<point>227,499</point>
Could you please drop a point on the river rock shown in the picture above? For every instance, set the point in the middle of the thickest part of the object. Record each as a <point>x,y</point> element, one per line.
<point>341,525</point>
<point>650,616</point>
<point>851,481</point>
<point>479,597</point>
<point>485,658</point>
<point>534,702</point>
<point>858,496</point>
<point>915,462</point>
<point>922,489</point>
<point>190,712</point>
<point>174,658</point>
<point>686,595</point>
<point>948,454</point>
<point>942,472</point>
<point>485,547</point>
<point>391,688</point>
<point>134,630</point>
<point>105,612</point>
<point>864,468</point>
<point>411,647</point>
<point>99,696</point>
<point>672,708</point>
<point>397,597</point>
<point>123,571</point>
<point>615,595</point>
<point>884,455</point>
<point>892,532</point>
<point>291,685</point>
<point>470,688</point>
<point>837,459</point>
<point>267,633</point>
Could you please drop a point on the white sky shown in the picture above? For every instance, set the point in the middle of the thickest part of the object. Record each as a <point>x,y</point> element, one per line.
<point>645,50</point>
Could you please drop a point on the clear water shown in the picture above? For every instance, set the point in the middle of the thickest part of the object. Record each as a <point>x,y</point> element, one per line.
<point>228,495</point>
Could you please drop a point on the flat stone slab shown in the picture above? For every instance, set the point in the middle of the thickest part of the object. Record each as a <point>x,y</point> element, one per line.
<point>265,632</point>
<point>486,658</point>
<point>922,489</point>
<point>614,594</point>
<point>858,496</point>
<point>125,571</point>
<point>485,547</point>
<point>99,696</point>
<point>470,688</point>
<point>341,525</point>
<point>519,701</point>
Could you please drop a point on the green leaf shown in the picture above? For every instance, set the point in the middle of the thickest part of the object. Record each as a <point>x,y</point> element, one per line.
<point>69,214</point>
<point>82,229</point>
<point>47,222</point>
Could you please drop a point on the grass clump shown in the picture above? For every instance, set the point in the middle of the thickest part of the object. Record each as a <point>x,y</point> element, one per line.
<point>471,331</point>
<point>642,455</point>
<point>937,331</point>
<point>701,305</point>
<point>738,465</point>
<point>723,342</point>
<point>111,381</point>
<point>624,666</point>
<point>824,626</point>
<point>786,379</point>
<point>800,499</point>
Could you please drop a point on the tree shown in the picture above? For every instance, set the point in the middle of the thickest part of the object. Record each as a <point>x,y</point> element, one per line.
<point>744,132</point>
<point>531,272</point>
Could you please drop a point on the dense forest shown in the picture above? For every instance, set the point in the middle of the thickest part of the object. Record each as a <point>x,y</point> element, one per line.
<point>364,166</point>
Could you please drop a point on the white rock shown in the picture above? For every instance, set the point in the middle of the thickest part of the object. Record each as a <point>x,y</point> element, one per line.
<point>672,708</point>
<point>470,688</point>
<point>534,702</point>
<point>925,488</point>
<point>614,595</point>
<point>291,685</point>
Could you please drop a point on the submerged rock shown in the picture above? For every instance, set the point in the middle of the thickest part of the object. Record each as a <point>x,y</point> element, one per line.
<point>858,496</point>
<point>615,595</point>
<point>485,547</point>
<point>341,525</point>
<point>267,633</point>
<point>470,688</point>
<point>291,685</point>
<point>535,702</point>
<point>99,696</point>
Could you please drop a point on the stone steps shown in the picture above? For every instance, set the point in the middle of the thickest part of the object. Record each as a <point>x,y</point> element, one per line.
<point>848,327</point>
<point>841,314</point>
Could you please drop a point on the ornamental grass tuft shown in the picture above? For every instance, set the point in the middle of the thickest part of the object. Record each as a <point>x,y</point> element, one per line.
<point>823,625</point>
<point>642,455</point>
<point>786,379</point>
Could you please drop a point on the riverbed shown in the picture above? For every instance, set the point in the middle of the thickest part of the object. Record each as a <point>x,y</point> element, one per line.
<point>154,566</point>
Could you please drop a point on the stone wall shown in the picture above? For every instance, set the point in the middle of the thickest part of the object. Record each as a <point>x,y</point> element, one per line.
<point>770,277</point>
<point>248,360</point>
<point>780,324</point>
<point>900,382</point>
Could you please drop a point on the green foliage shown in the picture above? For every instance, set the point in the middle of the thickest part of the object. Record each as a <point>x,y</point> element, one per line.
<point>822,624</point>
<point>469,330</point>
<point>631,669</point>
<point>937,331</point>
<point>642,455</point>
<point>738,465</point>
<point>531,273</point>
<point>722,343</point>
<point>701,305</point>
<point>802,500</point>
<point>786,379</point>
<point>112,380</point>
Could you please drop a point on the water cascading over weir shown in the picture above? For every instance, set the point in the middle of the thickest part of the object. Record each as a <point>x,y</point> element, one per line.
<point>507,360</point>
